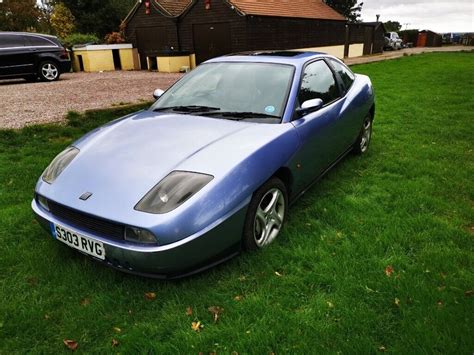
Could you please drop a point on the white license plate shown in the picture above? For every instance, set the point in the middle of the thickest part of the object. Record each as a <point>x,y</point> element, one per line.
<point>77,241</point>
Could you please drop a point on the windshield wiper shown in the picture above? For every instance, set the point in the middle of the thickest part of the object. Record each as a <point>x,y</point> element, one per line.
<point>190,108</point>
<point>241,115</point>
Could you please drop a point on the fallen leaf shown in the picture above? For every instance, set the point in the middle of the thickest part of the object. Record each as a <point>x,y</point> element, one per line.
<point>150,296</point>
<point>189,311</point>
<point>469,293</point>
<point>234,353</point>
<point>439,303</point>
<point>278,274</point>
<point>32,281</point>
<point>46,316</point>
<point>397,302</point>
<point>196,326</point>
<point>238,298</point>
<point>382,348</point>
<point>330,304</point>
<point>443,275</point>
<point>117,330</point>
<point>242,278</point>
<point>71,344</point>
<point>216,311</point>
<point>85,302</point>
<point>389,270</point>
<point>115,343</point>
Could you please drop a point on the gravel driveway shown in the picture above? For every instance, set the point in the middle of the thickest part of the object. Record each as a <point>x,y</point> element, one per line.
<point>23,103</point>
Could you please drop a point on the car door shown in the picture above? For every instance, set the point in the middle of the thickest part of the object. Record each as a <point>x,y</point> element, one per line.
<point>351,115</point>
<point>319,131</point>
<point>15,58</point>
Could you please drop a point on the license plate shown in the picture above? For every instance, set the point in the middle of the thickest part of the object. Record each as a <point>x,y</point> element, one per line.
<point>78,241</point>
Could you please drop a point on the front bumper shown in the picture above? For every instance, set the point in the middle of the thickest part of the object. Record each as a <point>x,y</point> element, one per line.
<point>195,253</point>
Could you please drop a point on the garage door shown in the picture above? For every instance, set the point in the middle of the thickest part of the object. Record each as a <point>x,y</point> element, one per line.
<point>211,40</point>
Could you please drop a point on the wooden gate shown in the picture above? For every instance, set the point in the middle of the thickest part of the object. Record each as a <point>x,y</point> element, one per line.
<point>211,40</point>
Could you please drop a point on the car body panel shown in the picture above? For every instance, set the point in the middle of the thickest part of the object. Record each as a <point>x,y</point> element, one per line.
<point>122,161</point>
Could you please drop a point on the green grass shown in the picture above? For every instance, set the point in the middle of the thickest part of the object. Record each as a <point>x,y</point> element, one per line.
<point>321,287</point>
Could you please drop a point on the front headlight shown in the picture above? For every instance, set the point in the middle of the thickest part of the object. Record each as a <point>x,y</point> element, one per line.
<point>172,192</point>
<point>59,163</point>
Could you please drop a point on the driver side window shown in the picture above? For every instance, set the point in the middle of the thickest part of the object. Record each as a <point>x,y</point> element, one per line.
<point>318,83</point>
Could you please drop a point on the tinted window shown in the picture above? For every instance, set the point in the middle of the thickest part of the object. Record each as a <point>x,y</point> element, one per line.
<point>344,72</point>
<point>7,41</point>
<point>39,41</point>
<point>318,83</point>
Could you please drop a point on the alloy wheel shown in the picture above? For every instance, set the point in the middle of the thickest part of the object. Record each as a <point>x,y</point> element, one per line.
<point>366,135</point>
<point>269,217</point>
<point>49,71</point>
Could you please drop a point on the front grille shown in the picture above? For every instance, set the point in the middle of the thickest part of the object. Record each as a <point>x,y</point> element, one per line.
<point>87,222</point>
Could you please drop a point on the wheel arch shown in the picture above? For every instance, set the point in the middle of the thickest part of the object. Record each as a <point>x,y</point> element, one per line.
<point>372,111</point>
<point>286,176</point>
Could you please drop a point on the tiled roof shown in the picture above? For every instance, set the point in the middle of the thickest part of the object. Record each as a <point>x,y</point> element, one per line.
<point>174,7</point>
<point>313,9</point>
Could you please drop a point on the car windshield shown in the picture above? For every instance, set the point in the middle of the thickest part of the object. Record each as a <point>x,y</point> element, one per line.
<point>231,90</point>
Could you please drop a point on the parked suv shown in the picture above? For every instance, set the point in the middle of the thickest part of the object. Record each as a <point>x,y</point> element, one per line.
<point>393,41</point>
<point>32,56</point>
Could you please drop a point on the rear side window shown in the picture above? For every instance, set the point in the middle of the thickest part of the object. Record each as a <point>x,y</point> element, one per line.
<point>36,41</point>
<point>345,73</point>
<point>11,41</point>
<point>318,83</point>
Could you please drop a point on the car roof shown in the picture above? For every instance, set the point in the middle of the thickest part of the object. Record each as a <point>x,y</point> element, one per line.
<point>26,34</point>
<point>296,58</point>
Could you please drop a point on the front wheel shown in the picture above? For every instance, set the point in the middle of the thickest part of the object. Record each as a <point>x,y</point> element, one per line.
<point>49,71</point>
<point>362,144</point>
<point>266,214</point>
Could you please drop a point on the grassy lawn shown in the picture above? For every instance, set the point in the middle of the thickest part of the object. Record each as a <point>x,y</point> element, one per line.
<point>378,256</point>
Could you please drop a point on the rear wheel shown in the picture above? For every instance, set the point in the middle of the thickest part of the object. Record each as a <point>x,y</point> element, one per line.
<point>362,144</point>
<point>49,71</point>
<point>266,214</point>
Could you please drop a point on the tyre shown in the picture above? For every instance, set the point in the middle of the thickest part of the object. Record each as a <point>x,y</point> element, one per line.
<point>49,71</point>
<point>266,215</point>
<point>362,144</point>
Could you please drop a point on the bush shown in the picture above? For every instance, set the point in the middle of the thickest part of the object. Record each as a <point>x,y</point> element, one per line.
<point>80,38</point>
<point>114,38</point>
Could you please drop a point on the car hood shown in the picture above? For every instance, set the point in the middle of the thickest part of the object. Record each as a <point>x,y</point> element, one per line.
<point>120,162</point>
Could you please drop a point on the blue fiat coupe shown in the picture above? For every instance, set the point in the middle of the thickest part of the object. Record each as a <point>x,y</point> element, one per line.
<point>211,167</point>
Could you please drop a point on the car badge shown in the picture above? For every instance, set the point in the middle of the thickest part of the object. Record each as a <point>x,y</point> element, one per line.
<point>85,196</point>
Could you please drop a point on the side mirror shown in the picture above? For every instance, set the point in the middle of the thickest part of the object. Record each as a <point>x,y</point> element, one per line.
<point>310,106</point>
<point>157,93</point>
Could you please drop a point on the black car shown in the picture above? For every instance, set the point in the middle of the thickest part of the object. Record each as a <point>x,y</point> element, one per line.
<point>32,56</point>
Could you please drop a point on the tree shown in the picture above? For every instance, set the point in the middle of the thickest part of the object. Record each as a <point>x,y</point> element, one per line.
<point>99,16</point>
<point>62,20</point>
<point>392,26</point>
<point>18,15</point>
<point>348,8</point>
<point>45,8</point>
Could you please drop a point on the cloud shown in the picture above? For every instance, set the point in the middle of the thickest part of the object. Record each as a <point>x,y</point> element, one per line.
<point>437,15</point>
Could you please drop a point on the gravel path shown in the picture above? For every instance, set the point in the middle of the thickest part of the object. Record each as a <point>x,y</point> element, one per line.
<point>23,103</point>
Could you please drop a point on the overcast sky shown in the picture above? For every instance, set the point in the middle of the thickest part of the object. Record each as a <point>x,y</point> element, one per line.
<point>436,15</point>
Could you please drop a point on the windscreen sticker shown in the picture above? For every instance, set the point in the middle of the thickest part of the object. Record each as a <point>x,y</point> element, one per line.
<point>270,109</point>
